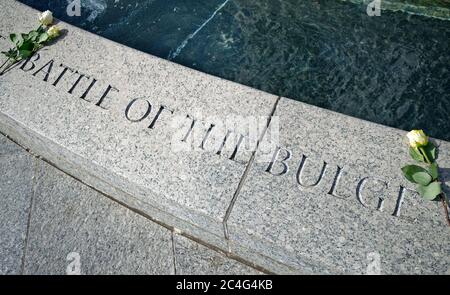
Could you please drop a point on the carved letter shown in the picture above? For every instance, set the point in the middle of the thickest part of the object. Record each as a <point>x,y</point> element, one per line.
<point>105,94</point>
<point>29,61</point>
<point>190,128</point>
<point>62,74</point>
<point>88,89</point>
<point>80,76</point>
<point>147,112</point>
<point>336,183</point>
<point>282,162</point>
<point>47,73</point>
<point>241,138</point>
<point>300,170</point>
<point>202,145</point>
<point>401,197</point>
<point>236,147</point>
<point>360,188</point>
<point>161,108</point>
<point>219,152</point>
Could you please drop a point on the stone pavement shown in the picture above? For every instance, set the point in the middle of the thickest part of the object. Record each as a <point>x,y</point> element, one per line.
<point>50,223</point>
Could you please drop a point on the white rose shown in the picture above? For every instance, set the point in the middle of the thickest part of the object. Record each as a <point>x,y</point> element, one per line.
<point>46,18</point>
<point>417,138</point>
<point>53,32</point>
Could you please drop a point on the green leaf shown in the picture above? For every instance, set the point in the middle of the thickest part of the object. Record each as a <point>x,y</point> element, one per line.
<point>434,170</point>
<point>24,36</point>
<point>12,53</point>
<point>422,178</point>
<point>19,43</point>
<point>14,38</point>
<point>27,45</point>
<point>33,36</point>
<point>42,38</point>
<point>431,191</point>
<point>24,54</point>
<point>416,174</point>
<point>416,155</point>
<point>430,150</point>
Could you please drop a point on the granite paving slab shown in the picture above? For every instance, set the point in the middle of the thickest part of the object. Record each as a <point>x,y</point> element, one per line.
<point>329,197</point>
<point>7,147</point>
<point>192,258</point>
<point>76,230</point>
<point>16,190</point>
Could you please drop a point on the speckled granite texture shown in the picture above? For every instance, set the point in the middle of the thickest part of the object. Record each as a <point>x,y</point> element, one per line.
<point>53,224</point>
<point>339,199</point>
<point>122,121</point>
<point>16,188</point>
<point>142,150</point>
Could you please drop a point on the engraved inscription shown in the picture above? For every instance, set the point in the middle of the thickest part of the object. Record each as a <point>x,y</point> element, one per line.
<point>370,192</point>
<point>78,82</point>
<point>216,139</point>
<point>300,170</point>
<point>282,162</point>
<point>311,174</point>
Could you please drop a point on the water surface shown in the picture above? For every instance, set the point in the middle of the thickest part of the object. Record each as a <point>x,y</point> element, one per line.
<point>392,69</point>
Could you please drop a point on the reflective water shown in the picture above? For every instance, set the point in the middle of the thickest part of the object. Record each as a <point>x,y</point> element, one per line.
<point>392,69</point>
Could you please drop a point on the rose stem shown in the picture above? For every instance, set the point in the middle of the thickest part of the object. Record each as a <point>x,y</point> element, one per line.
<point>425,155</point>
<point>4,64</point>
<point>444,203</point>
<point>443,199</point>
